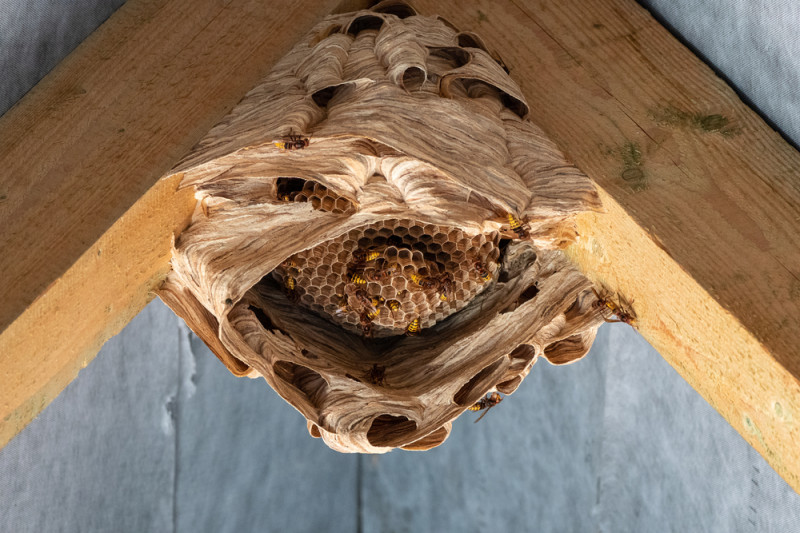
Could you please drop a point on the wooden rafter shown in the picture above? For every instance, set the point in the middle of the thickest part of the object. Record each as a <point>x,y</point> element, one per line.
<point>87,226</point>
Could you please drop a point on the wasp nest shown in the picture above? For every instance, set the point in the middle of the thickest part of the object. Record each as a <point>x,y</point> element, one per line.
<point>377,233</point>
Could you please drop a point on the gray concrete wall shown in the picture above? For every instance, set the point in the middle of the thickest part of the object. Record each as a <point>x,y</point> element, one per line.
<point>155,435</point>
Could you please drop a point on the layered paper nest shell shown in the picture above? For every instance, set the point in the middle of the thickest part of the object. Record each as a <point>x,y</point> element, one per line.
<point>377,233</point>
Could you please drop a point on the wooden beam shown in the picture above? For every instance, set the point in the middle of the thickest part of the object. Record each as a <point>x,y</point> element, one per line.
<point>87,226</point>
<point>702,222</point>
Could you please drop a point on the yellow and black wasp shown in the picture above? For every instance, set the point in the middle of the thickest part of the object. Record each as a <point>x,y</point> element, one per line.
<point>413,327</point>
<point>489,401</point>
<point>292,142</point>
<point>483,273</point>
<point>519,227</point>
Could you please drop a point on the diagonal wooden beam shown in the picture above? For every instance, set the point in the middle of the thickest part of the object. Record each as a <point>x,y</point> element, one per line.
<point>86,225</point>
<point>702,198</point>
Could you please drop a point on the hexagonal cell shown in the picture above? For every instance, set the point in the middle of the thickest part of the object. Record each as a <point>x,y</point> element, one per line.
<point>439,238</point>
<point>404,257</point>
<point>430,229</point>
<point>328,203</point>
<point>417,297</point>
<point>302,197</point>
<point>342,257</point>
<point>415,231</point>
<point>388,292</point>
<point>327,290</point>
<point>449,247</point>
<point>390,253</point>
<point>312,288</point>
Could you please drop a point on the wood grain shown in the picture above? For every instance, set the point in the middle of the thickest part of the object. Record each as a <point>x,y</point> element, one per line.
<point>82,154</point>
<point>702,198</point>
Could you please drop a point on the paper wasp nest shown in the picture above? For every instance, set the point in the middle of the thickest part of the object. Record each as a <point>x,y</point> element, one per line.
<point>377,233</point>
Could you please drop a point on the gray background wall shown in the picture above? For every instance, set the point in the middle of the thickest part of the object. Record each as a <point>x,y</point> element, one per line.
<point>155,435</point>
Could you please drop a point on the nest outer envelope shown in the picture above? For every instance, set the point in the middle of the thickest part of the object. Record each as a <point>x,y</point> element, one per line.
<point>406,119</point>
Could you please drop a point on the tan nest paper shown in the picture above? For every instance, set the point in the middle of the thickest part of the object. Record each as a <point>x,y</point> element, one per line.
<point>377,233</point>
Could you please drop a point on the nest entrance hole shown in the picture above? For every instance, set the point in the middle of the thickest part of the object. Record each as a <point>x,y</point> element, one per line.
<point>376,280</point>
<point>390,430</point>
<point>289,189</point>
<point>477,386</point>
<point>309,383</point>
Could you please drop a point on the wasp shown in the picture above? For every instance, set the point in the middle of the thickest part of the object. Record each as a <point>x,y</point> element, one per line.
<point>357,278</point>
<point>486,403</point>
<point>292,142</point>
<point>290,262</point>
<point>290,285</point>
<point>366,324</point>
<point>376,375</point>
<point>413,327</point>
<point>446,287</point>
<point>517,226</point>
<point>362,256</point>
<point>393,305</point>
<point>623,312</point>
<point>370,305</point>
<point>483,273</point>
<point>425,282</point>
<point>382,271</point>
<point>343,304</point>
